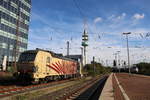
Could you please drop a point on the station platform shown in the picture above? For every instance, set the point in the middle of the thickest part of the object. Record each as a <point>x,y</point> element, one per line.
<point>107,92</point>
<point>124,86</point>
<point>134,87</point>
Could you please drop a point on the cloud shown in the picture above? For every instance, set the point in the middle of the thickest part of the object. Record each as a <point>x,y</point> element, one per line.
<point>138,16</point>
<point>122,16</point>
<point>116,21</point>
<point>98,19</point>
<point>115,18</point>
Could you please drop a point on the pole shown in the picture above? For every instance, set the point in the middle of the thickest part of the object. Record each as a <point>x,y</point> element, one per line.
<point>115,59</point>
<point>81,62</point>
<point>17,39</point>
<point>106,63</point>
<point>128,54</point>
<point>84,55</point>
<point>94,65</point>
<point>118,61</point>
<point>67,48</point>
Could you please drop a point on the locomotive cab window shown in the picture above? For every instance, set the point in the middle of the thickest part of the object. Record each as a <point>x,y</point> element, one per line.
<point>26,57</point>
<point>48,60</point>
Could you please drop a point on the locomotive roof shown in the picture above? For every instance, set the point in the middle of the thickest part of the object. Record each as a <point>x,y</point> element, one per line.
<point>51,52</point>
<point>30,51</point>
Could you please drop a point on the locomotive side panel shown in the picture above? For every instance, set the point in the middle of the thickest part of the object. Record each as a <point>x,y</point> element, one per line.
<point>69,67</point>
<point>53,67</point>
<point>62,67</point>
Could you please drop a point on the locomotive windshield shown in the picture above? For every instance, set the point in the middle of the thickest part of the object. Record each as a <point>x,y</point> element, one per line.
<point>26,57</point>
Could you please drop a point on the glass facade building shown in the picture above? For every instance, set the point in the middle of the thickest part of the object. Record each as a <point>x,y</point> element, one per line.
<point>14,26</point>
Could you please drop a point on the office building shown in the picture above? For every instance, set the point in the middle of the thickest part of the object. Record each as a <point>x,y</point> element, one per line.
<point>14,27</point>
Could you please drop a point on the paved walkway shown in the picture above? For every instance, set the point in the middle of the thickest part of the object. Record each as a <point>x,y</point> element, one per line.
<point>137,87</point>
<point>107,92</point>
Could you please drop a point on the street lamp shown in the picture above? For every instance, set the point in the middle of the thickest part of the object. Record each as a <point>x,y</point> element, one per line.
<point>128,50</point>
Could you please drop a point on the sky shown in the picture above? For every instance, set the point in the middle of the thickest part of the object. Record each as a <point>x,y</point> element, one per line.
<point>54,22</point>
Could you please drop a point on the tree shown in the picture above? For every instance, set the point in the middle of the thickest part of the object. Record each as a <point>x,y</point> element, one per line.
<point>144,68</point>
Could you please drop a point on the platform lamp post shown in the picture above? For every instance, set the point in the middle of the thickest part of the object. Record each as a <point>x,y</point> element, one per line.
<point>128,49</point>
<point>84,44</point>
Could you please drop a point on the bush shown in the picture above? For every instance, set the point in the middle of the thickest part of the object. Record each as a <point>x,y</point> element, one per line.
<point>99,69</point>
<point>144,68</point>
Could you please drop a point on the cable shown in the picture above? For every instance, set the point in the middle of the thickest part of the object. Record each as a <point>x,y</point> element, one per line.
<point>86,24</point>
<point>78,7</point>
<point>81,13</point>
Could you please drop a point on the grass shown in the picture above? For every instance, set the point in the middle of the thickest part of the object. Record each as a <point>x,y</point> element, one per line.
<point>27,96</point>
<point>32,94</point>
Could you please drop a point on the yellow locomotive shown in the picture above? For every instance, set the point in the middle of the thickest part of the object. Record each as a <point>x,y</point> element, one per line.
<point>41,65</point>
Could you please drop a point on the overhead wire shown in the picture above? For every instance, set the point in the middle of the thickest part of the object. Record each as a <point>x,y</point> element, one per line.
<point>82,15</point>
<point>85,22</point>
<point>78,7</point>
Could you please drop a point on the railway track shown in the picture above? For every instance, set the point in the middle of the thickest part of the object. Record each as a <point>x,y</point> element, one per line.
<point>57,90</point>
<point>90,91</point>
<point>94,91</point>
<point>8,91</point>
<point>79,91</point>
